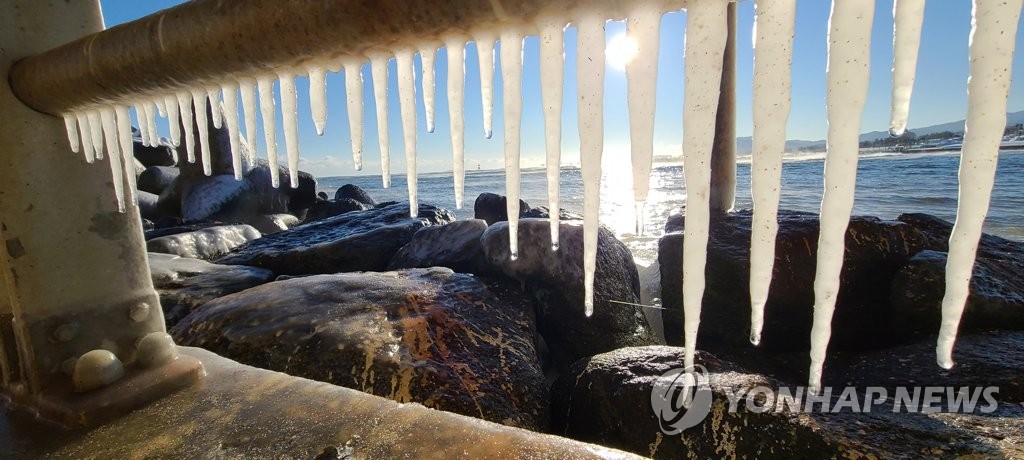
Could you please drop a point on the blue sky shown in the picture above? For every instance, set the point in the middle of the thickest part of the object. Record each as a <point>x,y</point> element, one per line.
<point>939,94</point>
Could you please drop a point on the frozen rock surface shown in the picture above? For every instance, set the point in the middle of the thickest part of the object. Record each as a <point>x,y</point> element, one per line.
<point>206,243</point>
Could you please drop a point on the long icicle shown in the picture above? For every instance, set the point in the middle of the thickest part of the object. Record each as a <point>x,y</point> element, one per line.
<point>229,91</point>
<point>318,97</point>
<point>704,45</point>
<point>71,125</point>
<point>407,105</point>
<point>199,103</point>
<point>86,136</point>
<point>456,48</point>
<point>485,54</point>
<point>379,75</point>
<point>643,25</point>
<point>114,155</point>
<point>552,76</point>
<point>512,93</point>
<point>151,130</point>
<point>187,123</point>
<point>773,54</point>
<point>354,102</point>
<point>849,52</point>
<point>140,115</point>
<point>991,57</point>
<point>427,54</point>
<point>268,112</point>
<point>247,86</point>
<point>289,116</point>
<point>590,106</point>
<point>124,136</point>
<point>171,103</point>
<point>96,132</point>
<point>907,18</point>
<point>215,113</point>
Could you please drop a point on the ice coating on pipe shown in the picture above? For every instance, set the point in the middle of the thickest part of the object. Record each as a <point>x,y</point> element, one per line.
<point>907,18</point>
<point>229,90</point>
<point>849,48</point>
<point>354,102</point>
<point>96,132</point>
<point>427,53</point>
<point>290,122</point>
<point>185,112</point>
<point>247,87</point>
<point>379,77</point>
<point>124,136</point>
<point>512,93</point>
<point>552,76</point>
<point>215,113</point>
<point>199,102</point>
<point>407,105</point>
<point>71,125</point>
<point>485,53</point>
<point>773,56</point>
<point>643,25</point>
<point>318,97</point>
<point>113,154</point>
<point>171,103</point>
<point>590,102</point>
<point>991,57</point>
<point>268,111</point>
<point>456,48</point>
<point>704,46</point>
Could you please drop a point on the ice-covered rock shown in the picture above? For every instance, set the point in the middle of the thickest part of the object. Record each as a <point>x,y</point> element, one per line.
<point>206,243</point>
<point>185,284</point>
<point>157,178</point>
<point>455,245</point>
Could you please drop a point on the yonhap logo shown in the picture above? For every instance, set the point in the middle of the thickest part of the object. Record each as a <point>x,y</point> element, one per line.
<point>681,399</point>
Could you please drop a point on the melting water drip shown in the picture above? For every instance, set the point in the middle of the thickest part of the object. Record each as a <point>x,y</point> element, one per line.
<point>773,56</point>
<point>643,26</point>
<point>247,87</point>
<point>456,99</point>
<point>407,105</point>
<point>267,110</point>
<point>907,18</point>
<point>590,102</point>
<point>290,114</point>
<point>512,86</point>
<point>318,97</point>
<point>379,77</point>
<point>230,93</point>
<point>187,122</point>
<point>354,102</point>
<point>485,54</point>
<point>427,53</point>
<point>552,75</point>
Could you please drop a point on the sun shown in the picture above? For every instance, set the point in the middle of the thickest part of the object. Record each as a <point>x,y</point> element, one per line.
<point>620,50</point>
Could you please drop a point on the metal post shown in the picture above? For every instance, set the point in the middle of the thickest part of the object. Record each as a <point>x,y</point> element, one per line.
<point>723,153</point>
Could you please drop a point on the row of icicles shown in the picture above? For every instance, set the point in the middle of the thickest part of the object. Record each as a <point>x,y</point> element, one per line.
<point>847,80</point>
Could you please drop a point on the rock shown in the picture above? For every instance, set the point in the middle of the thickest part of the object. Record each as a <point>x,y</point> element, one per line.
<point>356,193</point>
<point>996,299</point>
<point>155,179</point>
<point>147,225</point>
<point>491,208</point>
<point>159,155</point>
<point>220,198</point>
<point>147,205</point>
<point>875,250</point>
<point>542,212</point>
<point>355,241</point>
<point>324,209</point>
<point>284,199</point>
<point>455,245</point>
<point>426,335</point>
<point>555,280</point>
<point>185,284</point>
<point>273,223</point>
<point>170,226</point>
<point>206,243</point>
<point>937,232</point>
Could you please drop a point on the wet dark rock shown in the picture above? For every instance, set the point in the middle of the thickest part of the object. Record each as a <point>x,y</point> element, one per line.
<point>171,226</point>
<point>426,335</point>
<point>455,245</point>
<point>937,232</point>
<point>354,192</point>
<point>147,203</point>
<point>272,223</point>
<point>324,209</point>
<point>186,284</point>
<point>607,400</point>
<point>155,179</point>
<point>158,155</point>
<point>555,280</point>
<point>542,212</point>
<point>206,243</point>
<point>492,208</point>
<point>147,225</point>
<point>875,250</point>
<point>355,241</point>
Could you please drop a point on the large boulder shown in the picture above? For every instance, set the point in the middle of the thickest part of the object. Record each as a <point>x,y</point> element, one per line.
<point>607,399</point>
<point>323,209</point>
<point>273,223</point>
<point>354,241</point>
<point>206,243</point>
<point>154,155</point>
<point>427,335</point>
<point>492,208</point>
<point>455,245</point>
<point>185,284</point>
<point>354,192</point>
<point>155,179</point>
<point>875,250</point>
<point>555,280</point>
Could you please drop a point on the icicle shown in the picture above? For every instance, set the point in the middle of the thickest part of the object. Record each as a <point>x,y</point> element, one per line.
<point>172,122</point>
<point>71,125</point>
<point>991,58</point>
<point>354,100</point>
<point>704,45</point>
<point>456,48</point>
<point>247,86</point>
<point>318,97</point>
<point>268,112</point>
<point>124,135</point>
<point>485,52</point>
<point>140,114</point>
<point>187,122</point>
<point>229,91</point>
<point>114,155</point>
<point>849,47</point>
<point>512,91</point>
<point>161,109</point>
<point>907,18</point>
<point>154,135</point>
<point>773,56</point>
<point>215,113</point>
<point>643,26</point>
<point>289,112</point>
<point>86,133</point>
<point>199,102</point>
<point>427,54</point>
<point>96,132</point>
<point>590,83</point>
<point>552,76</point>
<point>407,104</point>
<point>379,75</point>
